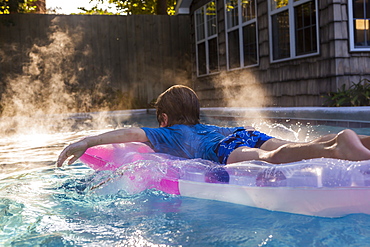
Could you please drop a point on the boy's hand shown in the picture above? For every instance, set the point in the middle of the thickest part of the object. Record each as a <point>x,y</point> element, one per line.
<point>76,150</point>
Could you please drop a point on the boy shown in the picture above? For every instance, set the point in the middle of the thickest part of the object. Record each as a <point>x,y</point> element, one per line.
<point>181,134</point>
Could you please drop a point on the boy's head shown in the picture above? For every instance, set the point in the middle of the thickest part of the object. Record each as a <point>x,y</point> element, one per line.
<point>178,105</point>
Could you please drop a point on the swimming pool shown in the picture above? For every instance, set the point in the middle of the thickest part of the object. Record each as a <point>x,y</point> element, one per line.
<point>46,206</point>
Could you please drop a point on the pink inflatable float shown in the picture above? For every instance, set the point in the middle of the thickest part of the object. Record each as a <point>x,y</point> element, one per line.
<point>318,187</point>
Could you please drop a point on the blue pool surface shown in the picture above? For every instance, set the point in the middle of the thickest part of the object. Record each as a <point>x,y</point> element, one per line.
<point>41,205</point>
<point>49,207</point>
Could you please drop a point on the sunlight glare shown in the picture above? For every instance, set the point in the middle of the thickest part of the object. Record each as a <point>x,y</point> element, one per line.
<point>71,6</point>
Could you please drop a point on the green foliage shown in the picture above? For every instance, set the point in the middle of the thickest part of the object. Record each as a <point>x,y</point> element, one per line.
<point>280,3</point>
<point>4,7</point>
<point>358,94</point>
<point>17,6</point>
<point>132,7</point>
<point>95,11</point>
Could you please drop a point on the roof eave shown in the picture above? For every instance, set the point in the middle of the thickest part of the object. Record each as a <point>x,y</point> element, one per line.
<point>183,7</point>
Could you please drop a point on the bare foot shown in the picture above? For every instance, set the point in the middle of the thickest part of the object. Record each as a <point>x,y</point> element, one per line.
<point>350,147</point>
<point>365,141</point>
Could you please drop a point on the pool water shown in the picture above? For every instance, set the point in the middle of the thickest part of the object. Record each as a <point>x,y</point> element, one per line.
<point>41,205</point>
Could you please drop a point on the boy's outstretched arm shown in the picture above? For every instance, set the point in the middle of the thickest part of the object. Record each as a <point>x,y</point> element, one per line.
<point>77,149</point>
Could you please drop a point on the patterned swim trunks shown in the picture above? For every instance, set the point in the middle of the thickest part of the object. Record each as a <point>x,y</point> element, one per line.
<point>240,138</point>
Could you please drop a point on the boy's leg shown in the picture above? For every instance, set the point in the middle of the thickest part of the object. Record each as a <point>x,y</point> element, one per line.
<point>346,145</point>
<point>364,139</point>
<point>275,143</point>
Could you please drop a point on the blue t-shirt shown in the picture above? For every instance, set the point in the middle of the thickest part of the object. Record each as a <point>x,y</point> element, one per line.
<point>188,141</point>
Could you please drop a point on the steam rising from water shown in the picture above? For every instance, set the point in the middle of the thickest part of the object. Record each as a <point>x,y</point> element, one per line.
<point>242,90</point>
<point>48,85</point>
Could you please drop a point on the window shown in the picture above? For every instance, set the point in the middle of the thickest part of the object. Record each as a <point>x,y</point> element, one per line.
<point>241,27</point>
<point>206,39</point>
<point>293,29</point>
<point>359,18</point>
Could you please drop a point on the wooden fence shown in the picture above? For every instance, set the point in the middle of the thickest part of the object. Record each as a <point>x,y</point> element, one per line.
<point>128,59</point>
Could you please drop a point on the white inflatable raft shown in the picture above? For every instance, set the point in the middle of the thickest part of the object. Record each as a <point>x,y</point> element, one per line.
<point>318,187</point>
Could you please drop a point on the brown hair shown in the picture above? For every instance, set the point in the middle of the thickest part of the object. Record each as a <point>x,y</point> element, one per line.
<point>180,103</point>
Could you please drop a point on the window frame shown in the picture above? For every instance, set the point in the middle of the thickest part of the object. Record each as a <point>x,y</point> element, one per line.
<point>290,7</point>
<point>239,27</point>
<point>351,29</point>
<point>206,40</point>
